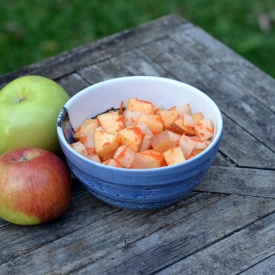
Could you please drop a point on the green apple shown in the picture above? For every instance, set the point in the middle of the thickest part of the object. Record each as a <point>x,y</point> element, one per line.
<point>35,186</point>
<point>29,107</point>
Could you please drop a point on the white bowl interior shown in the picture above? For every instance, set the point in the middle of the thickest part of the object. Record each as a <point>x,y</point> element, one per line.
<point>100,97</point>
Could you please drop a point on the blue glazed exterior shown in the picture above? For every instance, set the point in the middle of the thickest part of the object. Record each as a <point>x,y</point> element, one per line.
<point>137,189</point>
<point>147,193</point>
<point>159,188</point>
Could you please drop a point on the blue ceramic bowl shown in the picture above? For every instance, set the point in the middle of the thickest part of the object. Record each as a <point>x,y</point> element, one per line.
<point>137,189</point>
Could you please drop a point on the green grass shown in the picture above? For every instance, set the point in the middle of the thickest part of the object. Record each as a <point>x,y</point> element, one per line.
<point>32,30</point>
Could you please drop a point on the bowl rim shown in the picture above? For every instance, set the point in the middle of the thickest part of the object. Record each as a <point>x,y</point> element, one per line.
<point>96,165</point>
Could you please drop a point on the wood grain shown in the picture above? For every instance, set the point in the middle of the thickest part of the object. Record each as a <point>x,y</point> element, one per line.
<point>185,237</point>
<point>95,240</point>
<point>234,254</point>
<point>232,180</point>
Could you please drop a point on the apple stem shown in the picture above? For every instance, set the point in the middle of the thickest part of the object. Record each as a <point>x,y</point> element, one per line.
<point>24,158</point>
<point>21,99</point>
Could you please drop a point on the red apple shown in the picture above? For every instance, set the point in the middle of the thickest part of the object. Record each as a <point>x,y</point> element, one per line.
<point>35,186</point>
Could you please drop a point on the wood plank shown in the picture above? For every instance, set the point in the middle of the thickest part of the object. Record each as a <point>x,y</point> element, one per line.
<point>228,63</point>
<point>266,267</point>
<point>233,254</point>
<point>95,240</point>
<point>105,48</point>
<point>243,149</point>
<point>243,108</point>
<point>222,160</point>
<point>73,83</point>
<point>191,234</point>
<point>84,209</point>
<point>130,63</point>
<point>229,180</point>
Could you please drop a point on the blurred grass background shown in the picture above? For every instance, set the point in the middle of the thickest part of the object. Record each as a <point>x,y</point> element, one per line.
<point>32,30</point>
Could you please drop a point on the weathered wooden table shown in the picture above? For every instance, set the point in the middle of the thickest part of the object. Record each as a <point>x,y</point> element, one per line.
<point>226,226</point>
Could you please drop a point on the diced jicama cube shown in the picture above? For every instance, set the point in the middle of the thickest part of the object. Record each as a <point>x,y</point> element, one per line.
<point>174,138</point>
<point>183,109</point>
<point>145,129</point>
<point>111,122</point>
<point>200,144</point>
<point>111,162</point>
<point>94,157</point>
<point>204,129</point>
<point>87,126</point>
<point>187,145</point>
<point>188,121</point>
<point>88,141</point>
<point>173,156</point>
<point>142,106</point>
<point>154,122</point>
<point>161,141</point>
<point>79,148</point>
<point>145,144</point>
<point>99,128</point>
<point>148,159</point>
<point>168,117</point>
<point>105,143</point>
<point>131,136</point>
<point>131,117</point>
<point>124,156</point>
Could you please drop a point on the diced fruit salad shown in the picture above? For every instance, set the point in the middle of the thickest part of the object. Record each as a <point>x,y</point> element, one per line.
<point>143,135</point>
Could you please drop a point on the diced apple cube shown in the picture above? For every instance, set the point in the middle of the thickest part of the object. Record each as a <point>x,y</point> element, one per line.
<point>124,156</point>
<point>79,148</point>
<point>179,128</point>
<point>109,155</point>
<point>145,144</point>
<point>105,143</point>
<point>168,117</point>
<point>187,145</point>
<point>204,129</point>
<point>148,159</point>
<point>111,122</point>
<point>195,152</point>
<point>197,117</point>
<point>154,122</point>
<point>142,106</point>
<point>173,156</point>
<point>131,136</point>
<point>94,157</point>
<point>145,129</point>
<point>174,139</point>
<point>131,117</point>
<point>161,141</point>
<point>87,126</point>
